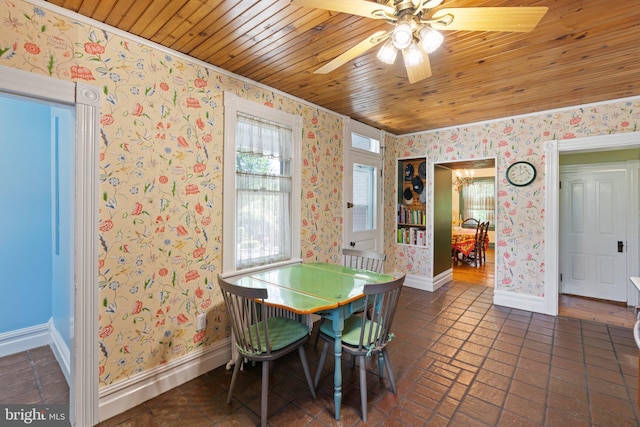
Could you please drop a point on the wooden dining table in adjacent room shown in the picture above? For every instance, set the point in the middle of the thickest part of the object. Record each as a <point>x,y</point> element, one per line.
<point>463,240</point>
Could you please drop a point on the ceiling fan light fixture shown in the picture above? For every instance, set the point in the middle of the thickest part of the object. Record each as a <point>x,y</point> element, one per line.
<point>413,55</point>
<point>387,53</point>
<point>431,4</point>
<point>402,35</point>
<point>430,39</point>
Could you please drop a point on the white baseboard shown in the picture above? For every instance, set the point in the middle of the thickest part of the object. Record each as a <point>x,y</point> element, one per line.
<point>38,336</point>
<point>425,283</point>
<point>520,301</point>
<point>24,339</point>
<point>442,279</point>
<point>60,351</point>
<point>124,395</point>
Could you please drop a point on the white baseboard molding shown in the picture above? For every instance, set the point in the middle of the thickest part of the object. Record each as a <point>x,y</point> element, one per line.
<point>24,339</point>
<point>124,395</point>
<point>520,301</point>
<point>442,279</point>
<point>60,351</point>
<point>425,283</point>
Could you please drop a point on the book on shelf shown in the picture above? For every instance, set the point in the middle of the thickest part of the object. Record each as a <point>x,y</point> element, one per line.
<point>412,236</point>
<point>407,215</point>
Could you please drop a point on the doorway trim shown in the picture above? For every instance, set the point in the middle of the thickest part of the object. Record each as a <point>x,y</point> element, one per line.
<point>83,397</point>
<point>448,275</point>
<point>348,154</point>
<point>552,150</point>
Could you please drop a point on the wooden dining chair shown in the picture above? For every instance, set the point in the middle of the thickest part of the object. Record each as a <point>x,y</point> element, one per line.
<point>483,242</point>
<point>470,223</point>
<point>259,336</point>
<point>364,260</point>
<point>478,255</point>
<point>367,335</point>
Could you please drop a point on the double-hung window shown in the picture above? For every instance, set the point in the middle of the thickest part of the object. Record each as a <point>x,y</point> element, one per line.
<point>261,186</point>
<point>478,201</point>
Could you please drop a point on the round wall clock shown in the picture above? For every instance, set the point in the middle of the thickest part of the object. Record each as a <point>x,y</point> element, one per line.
<point>521,174</point>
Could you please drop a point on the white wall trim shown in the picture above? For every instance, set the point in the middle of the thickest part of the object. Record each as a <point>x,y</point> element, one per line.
<point>24,339</point>
<point>519,301</point>
<point>31,85</point>
<point>442,279</point>
<point>60,351</point>
<point>83,391</point>
<point>84,340</point>
<point>233,104</point>
<point>124,395</point>
<point>46,334</point>
<point>350,156</point>
<point>552,149</point>
<point>425,283</point>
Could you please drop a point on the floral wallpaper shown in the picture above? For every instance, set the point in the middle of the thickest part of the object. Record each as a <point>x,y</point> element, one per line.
<point>161,181</point>
<point>160,207</point>
<point>520,218</point>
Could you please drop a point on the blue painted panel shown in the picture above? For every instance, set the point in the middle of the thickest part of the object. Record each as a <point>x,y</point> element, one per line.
<point>25,214</point>
<point>63,124</point>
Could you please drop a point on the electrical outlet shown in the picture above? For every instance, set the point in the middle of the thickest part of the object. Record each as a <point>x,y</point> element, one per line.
<point>201,322</point>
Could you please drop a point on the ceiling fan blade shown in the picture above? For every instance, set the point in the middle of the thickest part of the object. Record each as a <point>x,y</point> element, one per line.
<point>355,51</point>
<point>420,71</point>
<point>353,7</point>
<point>517,19</point>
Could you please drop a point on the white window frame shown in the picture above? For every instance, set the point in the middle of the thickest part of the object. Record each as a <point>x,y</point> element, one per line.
<point>232,105</point>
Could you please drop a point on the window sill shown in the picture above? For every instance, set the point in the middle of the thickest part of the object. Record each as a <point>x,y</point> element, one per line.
<point>260,268</point>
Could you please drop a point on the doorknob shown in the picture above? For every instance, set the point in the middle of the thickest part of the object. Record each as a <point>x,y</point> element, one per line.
<point>352,244</point>
<point>620,246</point>
<point>349,205</point>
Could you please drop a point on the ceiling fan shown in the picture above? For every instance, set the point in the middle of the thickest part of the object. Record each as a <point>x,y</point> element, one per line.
<point>415,29</point>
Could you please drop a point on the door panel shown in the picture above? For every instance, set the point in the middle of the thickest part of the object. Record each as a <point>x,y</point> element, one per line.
<point>592,222</point>
<point>362,221</point>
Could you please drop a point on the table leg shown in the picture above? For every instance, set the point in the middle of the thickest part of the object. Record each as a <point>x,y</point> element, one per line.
<point>338,326</point>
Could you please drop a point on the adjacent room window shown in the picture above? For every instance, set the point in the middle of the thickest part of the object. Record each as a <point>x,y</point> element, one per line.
<point>478,201</point>
<point>262,182</point>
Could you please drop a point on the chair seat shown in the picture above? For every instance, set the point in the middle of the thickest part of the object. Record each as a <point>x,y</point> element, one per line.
<point>351,331</point>
<point>366,334</point>
<point>282,332</point>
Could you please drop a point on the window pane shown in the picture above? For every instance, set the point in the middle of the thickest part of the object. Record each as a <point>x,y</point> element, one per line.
<point>365,143</point>
<point>478,201</point>
<point>364,197</point>
<point>263,192</point>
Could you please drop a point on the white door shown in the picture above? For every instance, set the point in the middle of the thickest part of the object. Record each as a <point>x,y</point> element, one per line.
<point>363,188</point>
<point>362,218</point>
<point>593,232</point>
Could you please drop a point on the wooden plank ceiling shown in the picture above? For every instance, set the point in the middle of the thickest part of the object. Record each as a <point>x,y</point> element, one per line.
<point>582,51</point>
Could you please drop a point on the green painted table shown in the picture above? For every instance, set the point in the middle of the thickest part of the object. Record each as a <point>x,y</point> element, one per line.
<point>329,290</point>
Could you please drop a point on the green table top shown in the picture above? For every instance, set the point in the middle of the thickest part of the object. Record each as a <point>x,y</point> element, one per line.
<point>313,287</point>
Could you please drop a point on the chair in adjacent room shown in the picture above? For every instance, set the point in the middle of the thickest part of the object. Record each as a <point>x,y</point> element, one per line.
<point>367,335</point>
<point>364,260</point>
<point>478,256</point>
<point>260,336</point>
<point>469,223</point>
<point>484,242</point>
